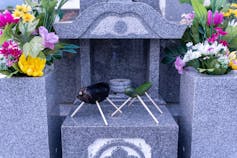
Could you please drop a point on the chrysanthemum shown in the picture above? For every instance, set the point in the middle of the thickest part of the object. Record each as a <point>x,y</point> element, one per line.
<point>32,66</point>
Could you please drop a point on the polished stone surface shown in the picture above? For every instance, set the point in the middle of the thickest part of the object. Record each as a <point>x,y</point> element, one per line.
<point>27,126</point>
<point>132,133</point>
<point>209,115</point>
<point>120,20</point>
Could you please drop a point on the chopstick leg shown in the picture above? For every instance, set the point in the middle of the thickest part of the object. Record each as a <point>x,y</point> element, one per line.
<point>121,106</point>
<point>147,109</point>
<point>77,109</point>
<point>153,102</point>
<point>101,113</point>
<point>111,102</point>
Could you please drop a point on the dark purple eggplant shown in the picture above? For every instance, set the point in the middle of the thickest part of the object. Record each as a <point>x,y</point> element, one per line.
<point>97,92</point>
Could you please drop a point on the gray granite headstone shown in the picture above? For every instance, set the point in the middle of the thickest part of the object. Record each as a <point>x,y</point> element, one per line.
<point>29,119</point>
<point>209,115</point>
<point>132,134</point>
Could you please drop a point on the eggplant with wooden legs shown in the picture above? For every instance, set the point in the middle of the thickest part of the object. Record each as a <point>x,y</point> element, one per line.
<point>95,94</point>
<point>136,94</point>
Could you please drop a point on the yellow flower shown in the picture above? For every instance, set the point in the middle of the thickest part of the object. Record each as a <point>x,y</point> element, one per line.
<point>234,5</point>
<point>228,13</point>
<point>234,12</point>
<point>233,64</point>
<point>28,18</point>
<point>232,55</point>
<point>19,8</point>
<point>26,8</point>
<point>32,66</point>
<point>17,14</point>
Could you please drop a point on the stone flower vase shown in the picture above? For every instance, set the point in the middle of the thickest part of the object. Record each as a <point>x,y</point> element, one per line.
<point>209,115</point>
<point>25,120</point>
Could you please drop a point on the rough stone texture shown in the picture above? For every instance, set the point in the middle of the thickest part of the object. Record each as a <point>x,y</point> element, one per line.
<point>86,3</point>
<point>208,122</point>
<point>86,135</point>
<point>169,77</point>
<point>67,76</point>
<point>101,20</point>
<point>27,118</point>
<point>119,59</point>
<point>174,9</point>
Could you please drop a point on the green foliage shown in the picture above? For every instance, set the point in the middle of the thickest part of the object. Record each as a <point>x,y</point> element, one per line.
<point>212,66</point>
<point>172,52</point>
<point>49,13</point>
<point>131,92</point>
<point>34,47</point>
<point>189,1</point>
<point>143,88</point>
<point>231,37</point>
<point>218,5</point>
<point>7,34</point>
<point>200,12</point>
<point>57,53</point>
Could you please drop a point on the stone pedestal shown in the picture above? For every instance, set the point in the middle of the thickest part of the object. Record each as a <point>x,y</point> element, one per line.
<point>209,115</point>
<point>131,134</point>
<point>28,118</point>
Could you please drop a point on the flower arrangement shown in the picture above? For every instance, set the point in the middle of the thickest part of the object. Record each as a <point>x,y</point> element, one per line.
<point>27,39</point>
<point>211,38</point>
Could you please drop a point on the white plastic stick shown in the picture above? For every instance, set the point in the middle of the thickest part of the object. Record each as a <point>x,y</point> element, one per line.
<point>147,109</point>
<point>121,106</point>
<point>101,113</point>
<point>77,109</point>
<point>132,101</point>
<point>153,102</point>
<point>112,103</point>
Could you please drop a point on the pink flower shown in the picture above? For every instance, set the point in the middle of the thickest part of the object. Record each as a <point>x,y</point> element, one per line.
<point>187,19</point>
<point>6,18</point>
<point>49,39</point>
<point>213,38</point>
<point>11,51</point>
<point>220,31</point>
<point>179,65</point>
<point>223,42</point>
<point>1,32</point>
<point>215,19</point>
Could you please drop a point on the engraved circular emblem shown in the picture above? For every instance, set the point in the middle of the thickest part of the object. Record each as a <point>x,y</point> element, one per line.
<point>119,148</point>
<point>120,27</point>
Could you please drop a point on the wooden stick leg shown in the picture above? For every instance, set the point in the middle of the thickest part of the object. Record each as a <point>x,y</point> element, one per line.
<point>153,102</point>
<point>77,109</point>
<point>132,101</point>
<point>112,103</point>
<point>121,106</point>
<point>101,113</point>
<point>147,109</point>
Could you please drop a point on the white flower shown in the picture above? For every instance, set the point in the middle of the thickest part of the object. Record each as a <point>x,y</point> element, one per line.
<point>207,3</point>
<point>189,44</point>
<point>190,55</point>
<point>187,19</point>
<point>204,49</point>
<point>3,76</point>
<point>233,23</point>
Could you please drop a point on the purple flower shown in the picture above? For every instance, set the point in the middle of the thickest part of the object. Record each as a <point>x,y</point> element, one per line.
<point>220,31</point>
<point>6,18</point>
<point>213,38</point>
<point>179,65</point>
<point>215,19</point>
<point>49,39</point>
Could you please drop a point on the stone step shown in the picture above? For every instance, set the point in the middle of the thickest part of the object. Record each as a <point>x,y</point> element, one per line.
<point>133,133</point>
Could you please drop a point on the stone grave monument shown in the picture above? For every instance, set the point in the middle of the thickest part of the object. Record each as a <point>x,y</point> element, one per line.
<point>120,39</point>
